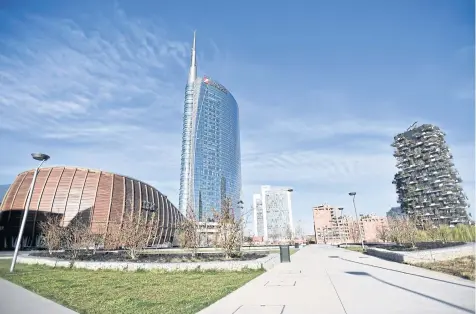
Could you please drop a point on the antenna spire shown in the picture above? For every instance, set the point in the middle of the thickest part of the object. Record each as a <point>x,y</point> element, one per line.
<point>192,74</point>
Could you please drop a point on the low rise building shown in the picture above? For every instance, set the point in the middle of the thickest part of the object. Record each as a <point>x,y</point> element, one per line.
<point>332,227</point>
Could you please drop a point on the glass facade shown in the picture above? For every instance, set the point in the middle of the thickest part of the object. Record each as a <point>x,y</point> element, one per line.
<point>272,211</point>
<point>211,158</point>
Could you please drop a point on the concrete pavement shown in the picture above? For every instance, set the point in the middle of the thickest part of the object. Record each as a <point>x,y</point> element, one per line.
<point>9,254</point>
<point>15,299</point>
<point>324,279</point>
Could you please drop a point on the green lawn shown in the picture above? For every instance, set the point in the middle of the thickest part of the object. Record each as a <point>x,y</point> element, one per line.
<point>127,292</point>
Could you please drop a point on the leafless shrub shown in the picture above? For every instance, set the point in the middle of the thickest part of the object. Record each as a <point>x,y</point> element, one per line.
<point>112,237</point>
<point>52,233</point>
<point>77,236</point>
<point>97,239</point>
<point>274,234</point>
<point>354,232</point>
<point>132,235</point>
<point>403,230</point>
<point>383,232</point>
<point>395,229</point>
<point>410,231</point>
<point>299,231</point>
<point>230,229</point>
<point>288,235</point>
<point>430,231</point>
<point>188,232</point>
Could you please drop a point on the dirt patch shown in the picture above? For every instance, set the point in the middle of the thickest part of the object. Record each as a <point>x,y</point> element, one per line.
<point>150,258</point>
<point>461,267</point>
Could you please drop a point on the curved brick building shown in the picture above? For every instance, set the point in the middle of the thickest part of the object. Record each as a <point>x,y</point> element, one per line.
<point>98,197</point>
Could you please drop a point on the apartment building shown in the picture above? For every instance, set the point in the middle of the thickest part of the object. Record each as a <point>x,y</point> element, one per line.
<point>272,213</point>
<point>332,227</point>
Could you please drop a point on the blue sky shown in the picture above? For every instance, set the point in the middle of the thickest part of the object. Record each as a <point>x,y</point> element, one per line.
<point>322,87</point>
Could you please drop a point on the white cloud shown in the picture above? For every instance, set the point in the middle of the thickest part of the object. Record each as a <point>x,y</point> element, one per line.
<point>95,95</point>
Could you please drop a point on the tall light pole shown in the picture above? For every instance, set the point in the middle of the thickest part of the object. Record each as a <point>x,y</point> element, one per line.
<point>357,217</point>
<point>291,225</point>
<point>340,224</point>
<point>41,158</point>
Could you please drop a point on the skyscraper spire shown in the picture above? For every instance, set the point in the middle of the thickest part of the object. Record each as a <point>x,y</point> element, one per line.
<point>192,74</point>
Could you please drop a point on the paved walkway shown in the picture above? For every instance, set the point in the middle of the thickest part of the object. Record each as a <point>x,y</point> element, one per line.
<point>15,300</point>
<point>329,280</point>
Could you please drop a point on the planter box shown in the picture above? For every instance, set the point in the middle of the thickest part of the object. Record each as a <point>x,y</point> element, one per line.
<point>424,256</point>
<point>266,262</point>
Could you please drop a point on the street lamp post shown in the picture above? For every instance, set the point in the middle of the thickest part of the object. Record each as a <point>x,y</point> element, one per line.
<point>290,218</point>
<point>357,217</point>
<point>339,224</point>
<point>41,158</point>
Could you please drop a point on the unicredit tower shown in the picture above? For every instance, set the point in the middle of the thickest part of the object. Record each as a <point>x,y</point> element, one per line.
<point>211,159</point>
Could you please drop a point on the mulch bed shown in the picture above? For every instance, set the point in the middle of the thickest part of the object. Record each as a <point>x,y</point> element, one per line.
<point>121,256</point>
<point>419,246</point>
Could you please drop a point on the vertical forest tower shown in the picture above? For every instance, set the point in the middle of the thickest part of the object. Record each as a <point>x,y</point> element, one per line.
<point>428,185</point>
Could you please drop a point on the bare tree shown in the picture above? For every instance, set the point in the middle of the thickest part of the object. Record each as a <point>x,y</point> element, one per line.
<point>52,233</point>
<point>96,239</point>
<point>382,232</point>
<point>354,231</point>
<point>288,234</point>
<point>77,236</point>
<point>230,229</point>
<point>403,230</point>
<point>188,233</point>
<point>395,230</point>
<point>274,234</point>
<point>132,235</point>
<point>299,232</point>
<point>410,231</point>
<point>112,237</point>
<point>135,233</point>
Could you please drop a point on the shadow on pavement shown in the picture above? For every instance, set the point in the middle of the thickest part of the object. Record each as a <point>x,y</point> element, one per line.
<point>361,273</point>
<point>402,272</point>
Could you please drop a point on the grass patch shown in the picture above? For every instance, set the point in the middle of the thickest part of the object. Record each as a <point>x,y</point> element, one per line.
<point>107,291</point>
<point>462,267</point>
<point>291,251</point>
<point>355,249</point>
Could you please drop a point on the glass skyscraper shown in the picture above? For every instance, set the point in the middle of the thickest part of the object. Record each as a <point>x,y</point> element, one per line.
<point>211,159</point>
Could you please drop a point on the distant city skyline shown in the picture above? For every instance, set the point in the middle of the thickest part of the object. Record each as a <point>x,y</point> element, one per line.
<point>100,84</point>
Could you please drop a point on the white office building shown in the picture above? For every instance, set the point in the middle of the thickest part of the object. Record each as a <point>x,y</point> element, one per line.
<point>272,213</point>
